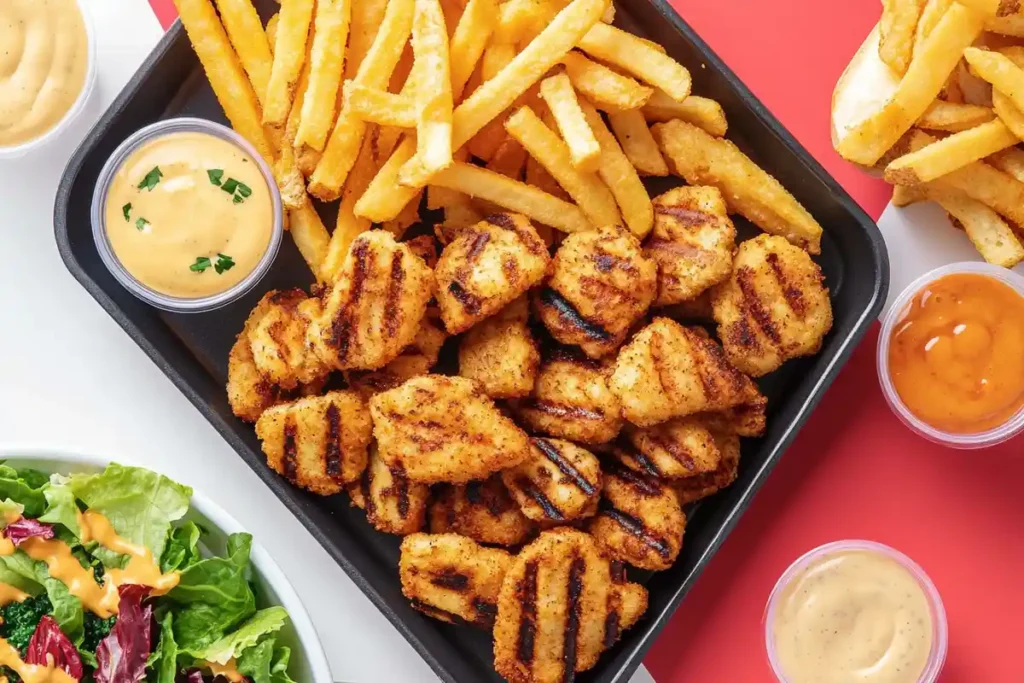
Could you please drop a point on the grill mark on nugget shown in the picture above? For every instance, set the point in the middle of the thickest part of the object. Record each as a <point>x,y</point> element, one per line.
<point>550,511</point>
<point>752,304</point>
<point>559,410</point>
<point>790,290</point>
<point>552,453</point>
<point>687,217</point>
<point>572,622</point>
<point>451,579</point>
<point>344,327</point>
<point>469,301</point>
<point>527,596</point>
<point>568,313</point>
<point>290,466</point>
<point>332,445</point>
<point>635,527</point>
<point>392,308</point>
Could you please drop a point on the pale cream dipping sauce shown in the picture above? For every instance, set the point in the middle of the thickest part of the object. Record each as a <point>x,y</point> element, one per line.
<point>189,215</point>
<point>44,58</point>
<point>853,616</point>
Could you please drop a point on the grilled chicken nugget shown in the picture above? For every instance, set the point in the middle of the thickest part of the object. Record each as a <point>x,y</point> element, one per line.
<point>416,359</point>
<point>746,419</point>
<point>451,578</point>
<point>279,344</point>
<point>773,307</point>
<point>319,442</point>
<point>375,308</point>
<point>482,510</point>
<point>393,504</point>
<point>561,482</point>
<point>667,370</point>
<point>556,607</point>
<point>600,285</point>
<point>640,520</point>
<point>692,242</point>
<point>501,353</point>
<point>445,429</point>
<point>486,267</point>
<point>678,448</point>
<point>249,391</point>
<point>701,486</point>
<point>425,247</point>
<point>571,400</point>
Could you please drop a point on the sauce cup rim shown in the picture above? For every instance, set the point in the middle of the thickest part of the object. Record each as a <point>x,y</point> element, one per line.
<point>940,625</point>
<point>991,437</point>
<point>147,294</point>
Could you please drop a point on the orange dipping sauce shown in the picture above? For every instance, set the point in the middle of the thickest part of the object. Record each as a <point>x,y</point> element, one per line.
<point>956,356</point>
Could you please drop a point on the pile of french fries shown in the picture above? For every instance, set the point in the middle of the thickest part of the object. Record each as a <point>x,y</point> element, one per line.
<point>950,131</point>
<point>475,103</point>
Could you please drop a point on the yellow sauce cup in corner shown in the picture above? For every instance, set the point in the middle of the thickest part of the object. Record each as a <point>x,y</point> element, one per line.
<point>186,215</point>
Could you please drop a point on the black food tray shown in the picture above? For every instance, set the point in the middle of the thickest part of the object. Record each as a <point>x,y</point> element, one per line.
<point>193,349</point>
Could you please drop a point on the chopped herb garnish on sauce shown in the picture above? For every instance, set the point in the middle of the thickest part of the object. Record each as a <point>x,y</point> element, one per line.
<point>127,211</point>
<point>238,189</point>
<point>223,263</point>
<point>152,179</point>
<point>141,223</point>
<point>201,264</point>
<point>215,175</point>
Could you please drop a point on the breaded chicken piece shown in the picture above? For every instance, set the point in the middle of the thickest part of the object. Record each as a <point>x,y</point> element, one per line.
<point>416,359</point>
<point>627,602</point>
<point>501,354</point>
<point>451,578</point>
<point>425,247</point>
<point>701,486</point>
<point>600,285</point>
<point>746,419</point>
<point>559,483</point>
<point>482,510</point>
<point>773,307</point>
<point>668,370</point>
<point>487,267</point>
<point>445,429</point>
<point>695,310</point>
<point>681,447</point>
<point>375,308</point>
<point>559,609</point>
<point>279,343</point>
<point>692,242</point>
<point>571,400</point>
<point>249,391</point>
<point>640,521</point>
<point>393,504</point>
<point>318,443</point>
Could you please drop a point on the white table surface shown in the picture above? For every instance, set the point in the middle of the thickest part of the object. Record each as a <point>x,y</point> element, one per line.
<point>71,378</point>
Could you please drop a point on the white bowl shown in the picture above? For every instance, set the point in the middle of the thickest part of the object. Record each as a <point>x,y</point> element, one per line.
<point>309,662</point>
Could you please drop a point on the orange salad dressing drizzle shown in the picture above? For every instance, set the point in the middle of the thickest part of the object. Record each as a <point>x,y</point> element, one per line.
<point>228,670</point>
<point>32,673</point>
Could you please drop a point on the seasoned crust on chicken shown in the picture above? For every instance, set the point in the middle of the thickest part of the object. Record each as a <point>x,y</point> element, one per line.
<point>600,285</point>
<point>481,510</point>
<point>451,578</point>
<point>486,267</point>
<point>695,310</point>
<point>692,242</point>
<point>501,353</point>
<point>701,486</point>
<point>559,483</point>
<point>668,370</point>
<point>559,608</point>
<point>375,308</point>
<point>318,443</point>
<point>746,419</point>
<point>425,247</point>
<point>416,359</point>
<point>249,392</point>
<point>681,447</point>
<point>278,338</point>
<point>571,400</point>
<point>393,504</point>
<point>639,521</point>
<point>445,429</point>
<point>773,307</point>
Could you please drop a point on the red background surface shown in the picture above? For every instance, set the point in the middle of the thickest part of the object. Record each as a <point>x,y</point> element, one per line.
<point>854,471</point>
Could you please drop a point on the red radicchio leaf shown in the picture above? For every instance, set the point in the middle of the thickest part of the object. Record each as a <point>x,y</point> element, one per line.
<point>194,676</point>
<point>25,528</point>
<point>49,641</point>
<point>121,656</point>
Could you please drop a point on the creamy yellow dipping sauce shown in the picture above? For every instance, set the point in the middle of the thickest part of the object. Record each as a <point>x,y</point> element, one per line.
<point>44,58</point>
<point>853,616</point>
<point>189,215</point>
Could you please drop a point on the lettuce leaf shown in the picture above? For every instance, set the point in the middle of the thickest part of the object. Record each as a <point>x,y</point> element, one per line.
<point>182,548</point>
<point>279,669</point>
<point>264,622</point>
<point>15,487</point>
<point>60,505</point>
<point>67,609</point>
<point>263,664</point>
<point>214,595</point>
<point>9,507</point>
<point>165,658</point>
<point>140,504</point>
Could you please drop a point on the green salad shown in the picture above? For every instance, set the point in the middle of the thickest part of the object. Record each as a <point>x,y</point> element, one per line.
<point>102,580</point>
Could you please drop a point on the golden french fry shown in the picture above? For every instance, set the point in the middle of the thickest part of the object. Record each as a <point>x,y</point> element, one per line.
<point>538,176</point>
<point>586,189</point>
<point>865,142</point>
<point>999,70</point>
<point>451,10</point>
<point>1010,161</point>
<point>224,71</point>
<point>1008,113</point>
<point>348,225</point>
<point>748,189</point>
<point>289,56</point>
<point>387,140</point>
<point>497,94</point>
<point>991,235</point>
<point>558,94</point>
<point>621,178</point>
<point>374,72</point>
<point>485,142</point>
<point>624,50</point>
<point>700,111</point>
<point>930,16</point>
<point>520,20</point>
<point>245,30</point>
<point>469,41</point>
<point>606,89</point>
<point>898,26</point>
<point>433,91</point>
<point>379,106</point>
<point>512,195</point>
<point>457,218</point>
<point>950,154</point>
<point>384,198</point>
<point>905,195</point>
<point>407,217</point>
<point>367,15</point>
<point>271,32</point>
<point>509,159</point>
<point>953,118</point>
<point>290,180</point>
<point>988,8</point>
<point>1012,25</point>
<point>440,197</point>
<point>310,235</point>
<point>327,64</point>
<point>640,147</point>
